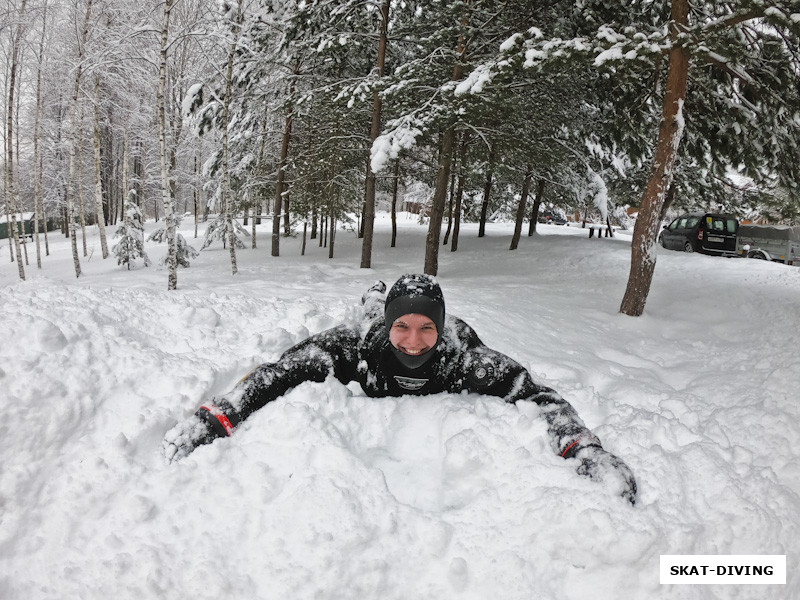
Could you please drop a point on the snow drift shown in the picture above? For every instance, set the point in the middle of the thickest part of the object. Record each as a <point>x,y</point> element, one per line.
<point>328,494</point>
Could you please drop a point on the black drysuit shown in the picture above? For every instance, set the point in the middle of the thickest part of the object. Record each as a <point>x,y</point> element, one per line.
<point>462,363</point>
<point>364,354</point>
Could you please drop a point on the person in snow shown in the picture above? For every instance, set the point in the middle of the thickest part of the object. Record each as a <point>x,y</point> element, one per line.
<point>405,345</point>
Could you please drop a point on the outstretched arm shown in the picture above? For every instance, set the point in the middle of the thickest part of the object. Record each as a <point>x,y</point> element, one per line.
<point>490,372</point>
<point>333,352</point>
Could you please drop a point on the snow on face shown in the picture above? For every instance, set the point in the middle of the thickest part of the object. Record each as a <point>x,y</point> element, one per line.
<point>327,493</point>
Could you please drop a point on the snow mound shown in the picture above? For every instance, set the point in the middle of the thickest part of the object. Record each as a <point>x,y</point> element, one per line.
<point>328,494</point>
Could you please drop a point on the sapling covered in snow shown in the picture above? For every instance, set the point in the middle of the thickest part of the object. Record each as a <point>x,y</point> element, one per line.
<point>131,234</point>
<point>218,230</point>
<point>183,251</point>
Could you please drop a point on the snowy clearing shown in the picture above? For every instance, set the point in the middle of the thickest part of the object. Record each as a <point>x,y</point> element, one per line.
<point>329,494</point>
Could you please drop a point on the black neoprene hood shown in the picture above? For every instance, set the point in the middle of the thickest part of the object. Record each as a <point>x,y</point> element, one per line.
<point>419,294</point>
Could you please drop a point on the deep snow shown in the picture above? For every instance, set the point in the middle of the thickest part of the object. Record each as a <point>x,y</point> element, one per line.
<point>329,494</point>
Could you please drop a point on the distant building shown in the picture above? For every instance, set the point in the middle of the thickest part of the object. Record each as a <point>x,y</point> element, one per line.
<point>26,219</point>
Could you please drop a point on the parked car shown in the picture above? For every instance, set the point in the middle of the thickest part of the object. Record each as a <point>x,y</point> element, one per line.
<point>709,233</point>
<point>780,243</point>
<point>551,218</point>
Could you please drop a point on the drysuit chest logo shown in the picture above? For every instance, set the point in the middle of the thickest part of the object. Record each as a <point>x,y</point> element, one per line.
<point>410,383</point>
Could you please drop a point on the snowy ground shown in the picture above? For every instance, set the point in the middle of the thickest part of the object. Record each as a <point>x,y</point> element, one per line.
<point>329,494</point>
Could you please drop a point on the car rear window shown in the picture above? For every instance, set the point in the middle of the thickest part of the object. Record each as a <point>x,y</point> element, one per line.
<point>721,224</point>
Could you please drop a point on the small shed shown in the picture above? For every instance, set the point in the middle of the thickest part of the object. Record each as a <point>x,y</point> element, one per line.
<point>26,219</point>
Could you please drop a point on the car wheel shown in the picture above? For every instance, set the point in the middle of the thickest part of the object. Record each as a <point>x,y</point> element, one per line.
<point>687,247</point>
<point>662,241</point>
<point>757,255</point>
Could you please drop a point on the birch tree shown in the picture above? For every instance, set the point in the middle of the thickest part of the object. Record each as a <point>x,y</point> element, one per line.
<point>12,86</point>
<point>74,137</point>
<point>38,205</point>
<point>98,182</point>
<point>236,24</point>
<point>166,197</point>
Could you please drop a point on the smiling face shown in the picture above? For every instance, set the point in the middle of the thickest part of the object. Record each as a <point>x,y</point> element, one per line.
<point>413,334</point>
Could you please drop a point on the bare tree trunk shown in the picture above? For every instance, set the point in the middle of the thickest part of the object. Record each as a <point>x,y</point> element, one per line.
<point>279,186</point>
<point>276,209</point>
<point>125,179</point>
<point>523,201</point>
<point>166,196</point>
<point>109,174</point>
<point>394,201</point>
<point>10,189</point>
<point>487,189</point>
<point>253,225</point>
<point>333,229</point>
<point>260,170</point>
<point>537,203</point>
<point>21,225</point>
<point>196,197</point>
<point>226,177</point>
<point>459,193</point>
<point>450,207</point>
<point>44,218</point>
<point>20,268</point>
<point>667,202</point>
<point>138,175</point>
<point>98,184</point>
<point>442,178</point>
<point>314,220</point>
<point>37,171</point>
<point>645,232</point>
<point>81,207</point>
<point>369,201</point>
<point>437,206</point>
<point>73,143</point>
<point>287,224</point>
<point>7,206</point>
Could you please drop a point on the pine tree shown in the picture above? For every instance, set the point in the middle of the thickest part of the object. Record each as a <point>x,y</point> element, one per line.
<point>131,234</point>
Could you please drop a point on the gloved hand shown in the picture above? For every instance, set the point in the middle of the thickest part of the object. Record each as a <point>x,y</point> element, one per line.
<point>182,439</point>
<point>600,465</point>
<point>376,290</point>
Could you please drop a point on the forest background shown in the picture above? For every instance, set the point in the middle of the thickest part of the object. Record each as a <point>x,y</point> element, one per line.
<point>312,113</point>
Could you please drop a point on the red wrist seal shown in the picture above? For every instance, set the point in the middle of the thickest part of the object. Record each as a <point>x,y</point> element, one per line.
<point>219,416</point>
<point>570,447</point>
